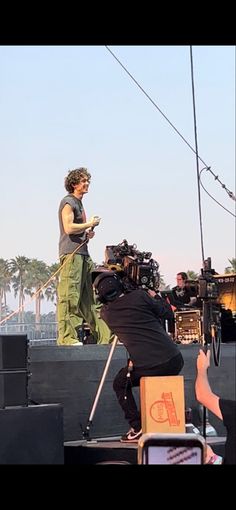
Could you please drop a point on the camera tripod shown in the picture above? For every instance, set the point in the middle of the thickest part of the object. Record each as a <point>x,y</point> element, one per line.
<point>100,386</point>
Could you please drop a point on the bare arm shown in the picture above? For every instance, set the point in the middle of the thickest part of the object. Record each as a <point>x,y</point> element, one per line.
<point>74,228</point>
<point>204,393</point>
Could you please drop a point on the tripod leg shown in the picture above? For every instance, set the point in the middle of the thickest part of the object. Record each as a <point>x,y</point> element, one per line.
<point>90,419</point>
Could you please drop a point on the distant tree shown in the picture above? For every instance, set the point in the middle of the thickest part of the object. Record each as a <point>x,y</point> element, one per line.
<point>166,287</point>
<point>49,317</point>
<point>29,317</point>
<point>13,319</point>
<point>232,267</point>
<point>192,275</point>
<point>51,290</point>
<point>5,280</point>
<point>37,276</point>
<point>162,285</point>
<point>19,267</point>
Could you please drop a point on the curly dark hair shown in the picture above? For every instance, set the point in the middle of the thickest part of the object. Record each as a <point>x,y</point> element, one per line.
<point>74,177</point>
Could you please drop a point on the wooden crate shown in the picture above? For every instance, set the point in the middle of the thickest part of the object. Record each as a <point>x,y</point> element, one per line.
<point>162,404</point>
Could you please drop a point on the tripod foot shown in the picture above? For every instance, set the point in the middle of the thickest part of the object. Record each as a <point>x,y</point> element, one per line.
<point>86,431</point>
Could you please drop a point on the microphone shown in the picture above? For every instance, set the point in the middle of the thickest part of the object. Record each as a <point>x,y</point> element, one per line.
<point>93,227</point>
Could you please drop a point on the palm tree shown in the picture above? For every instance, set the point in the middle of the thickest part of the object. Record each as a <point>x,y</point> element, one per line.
<point>37,275</point>
<point>19,268</point>
<point>231,269</point>
<point>51,290</point>
<point>5,280</point>
<point>192,275</point>
<point>162,284</point>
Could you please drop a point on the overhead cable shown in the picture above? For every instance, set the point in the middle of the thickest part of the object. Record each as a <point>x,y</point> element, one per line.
<point>230,193</point>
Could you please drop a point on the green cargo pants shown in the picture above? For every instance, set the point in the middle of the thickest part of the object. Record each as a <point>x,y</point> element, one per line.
<point>76,302</point>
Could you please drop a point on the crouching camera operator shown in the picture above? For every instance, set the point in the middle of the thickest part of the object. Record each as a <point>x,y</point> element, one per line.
<point>135,317</point>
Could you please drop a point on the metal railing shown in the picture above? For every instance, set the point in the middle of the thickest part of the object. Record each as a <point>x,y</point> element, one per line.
<point>35,332</point>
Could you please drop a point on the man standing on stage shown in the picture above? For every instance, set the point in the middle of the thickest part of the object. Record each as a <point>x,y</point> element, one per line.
<point>76,301</point>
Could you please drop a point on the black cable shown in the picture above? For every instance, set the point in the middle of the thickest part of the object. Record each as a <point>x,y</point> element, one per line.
<point>207,306</point>
<point>150,99</point>
<point>216,343</point>
<point>231,195</point>
<point>227,210</point>
<point>197,157</point>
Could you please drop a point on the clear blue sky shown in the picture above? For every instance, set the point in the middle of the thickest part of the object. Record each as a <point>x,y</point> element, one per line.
<point>68,106</point>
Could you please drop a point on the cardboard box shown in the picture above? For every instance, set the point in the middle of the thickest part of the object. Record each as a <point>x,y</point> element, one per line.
<point>162,404</point>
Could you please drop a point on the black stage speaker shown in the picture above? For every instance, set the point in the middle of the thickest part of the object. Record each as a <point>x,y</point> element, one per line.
<point>13,352</point>
<point>13,370</point>
<point>13,388</point>
<point>32,435</point>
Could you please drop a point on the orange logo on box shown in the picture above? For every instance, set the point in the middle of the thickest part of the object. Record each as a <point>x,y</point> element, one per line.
<point>164,410</point>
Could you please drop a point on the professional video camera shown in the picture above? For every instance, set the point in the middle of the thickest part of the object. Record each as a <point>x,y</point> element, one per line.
<point>136,269</point>
<point>207,285</point>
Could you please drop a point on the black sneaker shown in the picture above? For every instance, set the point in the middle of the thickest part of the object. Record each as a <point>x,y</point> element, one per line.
<point>131,436</point>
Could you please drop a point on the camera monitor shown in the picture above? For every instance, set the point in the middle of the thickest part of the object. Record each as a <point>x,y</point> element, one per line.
<point>171,449</point>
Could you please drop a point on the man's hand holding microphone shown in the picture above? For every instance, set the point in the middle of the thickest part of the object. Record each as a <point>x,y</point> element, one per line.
<point>94,221</point>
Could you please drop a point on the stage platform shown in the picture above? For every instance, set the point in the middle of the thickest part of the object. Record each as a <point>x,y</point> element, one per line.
<point>70,376</point>
<point>62,387</point>
<point>112,451</point>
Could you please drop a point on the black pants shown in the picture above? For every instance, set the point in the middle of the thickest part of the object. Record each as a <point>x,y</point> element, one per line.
<point>123,386</point>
